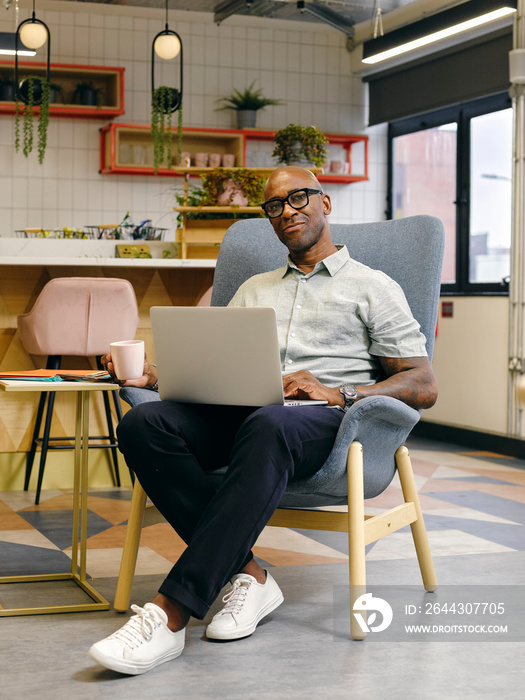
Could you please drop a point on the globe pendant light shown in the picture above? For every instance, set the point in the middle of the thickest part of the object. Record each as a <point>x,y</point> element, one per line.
<point>33,33</point>
<point>167,45</point>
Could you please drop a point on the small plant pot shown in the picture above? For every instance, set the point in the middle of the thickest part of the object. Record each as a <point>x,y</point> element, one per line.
<point>88,97</point>
<point>7,92</point>
<point>246,118</point>
<point>37,90</point>
<point>175,99</point>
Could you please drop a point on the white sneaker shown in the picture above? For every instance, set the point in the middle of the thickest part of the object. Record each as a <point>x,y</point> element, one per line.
<point>247,602</point>
<point>145,641</point>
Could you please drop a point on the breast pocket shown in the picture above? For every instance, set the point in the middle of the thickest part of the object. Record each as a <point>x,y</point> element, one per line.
<point>335,323</point>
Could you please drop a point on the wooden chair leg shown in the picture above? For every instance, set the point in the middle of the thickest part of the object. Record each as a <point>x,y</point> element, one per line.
<point>356,533</point>
<point>131,549</point>
<point>419,532</point>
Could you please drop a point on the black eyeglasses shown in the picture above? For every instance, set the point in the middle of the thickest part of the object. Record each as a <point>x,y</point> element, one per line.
<point>298,199</point>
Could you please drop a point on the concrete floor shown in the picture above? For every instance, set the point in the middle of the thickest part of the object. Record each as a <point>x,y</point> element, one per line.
<point>293,654</point>
<point>474,507</point>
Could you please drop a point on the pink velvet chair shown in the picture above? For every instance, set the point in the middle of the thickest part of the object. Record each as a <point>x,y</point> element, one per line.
<point>77,316</point>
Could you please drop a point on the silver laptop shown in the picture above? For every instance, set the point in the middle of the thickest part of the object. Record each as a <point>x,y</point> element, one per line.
<point>219,355</point>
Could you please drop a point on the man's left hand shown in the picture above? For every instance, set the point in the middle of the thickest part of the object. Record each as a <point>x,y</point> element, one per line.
<point>303,385</point>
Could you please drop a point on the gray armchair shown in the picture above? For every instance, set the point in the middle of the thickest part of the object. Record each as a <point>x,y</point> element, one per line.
<point>370,442</point>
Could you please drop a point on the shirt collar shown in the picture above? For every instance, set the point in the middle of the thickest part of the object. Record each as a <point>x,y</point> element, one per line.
<point>333,263</point>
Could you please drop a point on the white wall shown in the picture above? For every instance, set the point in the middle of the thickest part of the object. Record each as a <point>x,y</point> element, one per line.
<point>305,65</point>
<point>470,364</point>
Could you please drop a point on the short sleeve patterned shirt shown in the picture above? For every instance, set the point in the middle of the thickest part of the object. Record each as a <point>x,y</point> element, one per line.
<point>336,320</point>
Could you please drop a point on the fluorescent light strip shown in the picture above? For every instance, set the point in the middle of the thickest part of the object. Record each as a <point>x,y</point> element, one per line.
<point>21,52</point>
<point>437,36</point>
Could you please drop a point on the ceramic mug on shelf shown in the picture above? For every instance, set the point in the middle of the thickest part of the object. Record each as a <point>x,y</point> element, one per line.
<point>124,154</point>
<point>336,166</point>
<point>201,160</point>
<point>139,156</point>
<point>185,159</point>
<point>228,160</point>
<point>215,160</point>
<point>148,155</point>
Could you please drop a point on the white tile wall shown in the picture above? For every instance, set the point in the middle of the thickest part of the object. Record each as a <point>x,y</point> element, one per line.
<point>308,69</point>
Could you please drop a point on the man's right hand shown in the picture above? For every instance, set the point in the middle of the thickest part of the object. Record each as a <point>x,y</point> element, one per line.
<point>148,379</point>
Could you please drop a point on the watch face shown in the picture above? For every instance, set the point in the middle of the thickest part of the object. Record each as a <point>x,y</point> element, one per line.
<point>349,393</point>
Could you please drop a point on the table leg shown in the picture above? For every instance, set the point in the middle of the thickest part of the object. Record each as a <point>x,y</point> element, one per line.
<point>80,500</point>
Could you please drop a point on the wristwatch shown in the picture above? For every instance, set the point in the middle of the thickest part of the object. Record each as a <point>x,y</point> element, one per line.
<point>155,386</point>
<point>349,394</point>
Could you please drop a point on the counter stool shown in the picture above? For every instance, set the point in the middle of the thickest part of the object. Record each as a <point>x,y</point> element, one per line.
<point>77,316</point>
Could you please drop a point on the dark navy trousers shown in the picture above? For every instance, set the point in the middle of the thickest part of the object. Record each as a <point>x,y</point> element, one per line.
<point>171,447</point>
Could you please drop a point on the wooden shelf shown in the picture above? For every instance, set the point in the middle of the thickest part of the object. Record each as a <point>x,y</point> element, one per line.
<point>108,80</point>
<point>220,210</point>
<point>123,146</point>
<point>118,141</point>
<point>346,141</point>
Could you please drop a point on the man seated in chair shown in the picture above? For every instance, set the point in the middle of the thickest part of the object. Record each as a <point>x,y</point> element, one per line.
<point>350,333</point>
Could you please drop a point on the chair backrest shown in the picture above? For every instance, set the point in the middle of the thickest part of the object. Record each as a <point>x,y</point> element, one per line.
<point>79,316</point>
<point>409,250</point>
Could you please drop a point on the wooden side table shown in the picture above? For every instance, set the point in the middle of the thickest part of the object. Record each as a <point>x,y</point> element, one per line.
<point>80,490</point>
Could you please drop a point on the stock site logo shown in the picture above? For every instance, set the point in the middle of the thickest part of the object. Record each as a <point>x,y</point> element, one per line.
<point>367,603</point>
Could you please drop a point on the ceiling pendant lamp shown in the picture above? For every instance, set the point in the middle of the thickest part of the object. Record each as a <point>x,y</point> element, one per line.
<point>167,45</point>
<point>32,33</point>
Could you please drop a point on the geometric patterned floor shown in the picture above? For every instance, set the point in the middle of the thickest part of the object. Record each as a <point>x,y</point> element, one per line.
<point>473,503</point>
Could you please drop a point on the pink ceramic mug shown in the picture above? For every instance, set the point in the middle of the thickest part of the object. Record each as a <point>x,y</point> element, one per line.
<point>128,358</point>
<point>215,160</point>
<point>228,160</point>
<point>201,160</point>
<point>336,166</point>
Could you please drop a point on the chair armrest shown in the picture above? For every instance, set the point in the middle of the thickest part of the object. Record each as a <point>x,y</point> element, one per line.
<point>381,424</point>
<point>134,396</point>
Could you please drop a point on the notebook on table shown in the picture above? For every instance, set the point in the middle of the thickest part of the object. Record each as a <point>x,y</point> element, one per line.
<point>219,355</point>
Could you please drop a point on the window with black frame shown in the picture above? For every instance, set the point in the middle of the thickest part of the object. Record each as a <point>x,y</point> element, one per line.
<point>456,164</point>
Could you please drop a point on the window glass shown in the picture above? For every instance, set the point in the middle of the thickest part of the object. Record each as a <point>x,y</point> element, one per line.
<point>424,182</point>
<point>490,196</point>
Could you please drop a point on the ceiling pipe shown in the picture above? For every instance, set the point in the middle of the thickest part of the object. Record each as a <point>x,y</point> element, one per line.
<point>226,9</point>
<point>328,16</point>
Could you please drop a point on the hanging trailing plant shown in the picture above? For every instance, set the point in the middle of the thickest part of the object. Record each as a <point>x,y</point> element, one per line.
<point>164,101</point>
<point>34,90</point>
<point>43,121</point>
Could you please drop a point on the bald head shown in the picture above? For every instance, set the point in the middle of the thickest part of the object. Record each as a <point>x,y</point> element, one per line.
<point>291,177</point>
<point>304,230</point>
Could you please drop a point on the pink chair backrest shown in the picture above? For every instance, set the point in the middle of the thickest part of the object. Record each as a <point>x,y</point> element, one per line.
<point>79,316</point>
<point>205,299</point>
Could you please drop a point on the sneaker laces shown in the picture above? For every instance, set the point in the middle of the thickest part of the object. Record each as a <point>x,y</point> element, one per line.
<point>138,629</point>
<point>235,597</point>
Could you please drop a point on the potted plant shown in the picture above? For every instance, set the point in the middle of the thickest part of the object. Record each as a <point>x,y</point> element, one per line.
<point>222,187</point>
<point>35,92</point>
<point>300,145</point>
<point>246,104</point>
<point>200,233</point>
<point>164,101</point>
<point>7,89</point>
<point>54,91</point>
<point>87,94</point>
<point>239,187</point>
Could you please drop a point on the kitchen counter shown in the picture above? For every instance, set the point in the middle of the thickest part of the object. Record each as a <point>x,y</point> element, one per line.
<point>27,264</point>
<point>89,253</point>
